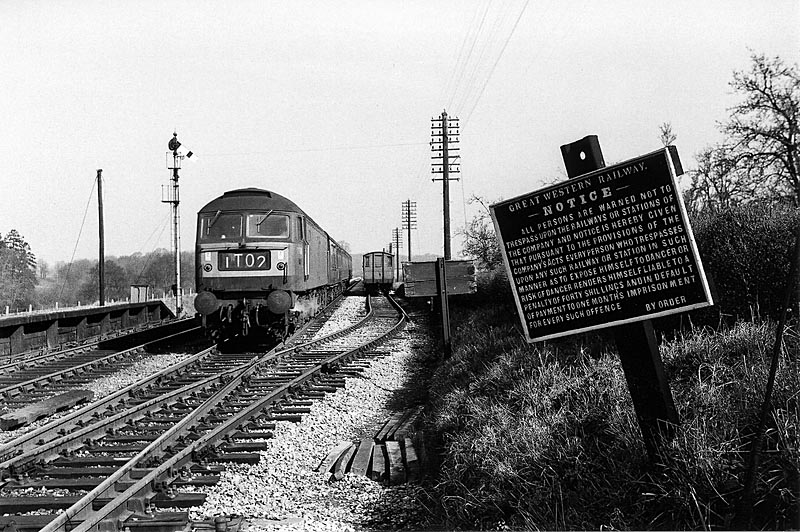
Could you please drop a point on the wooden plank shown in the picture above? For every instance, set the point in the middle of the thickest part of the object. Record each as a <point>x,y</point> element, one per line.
<point>401,418</point>
<point>397,472</point>
<point>412,462</point>
<point>29,414</point>
<point>388,426</point>
<point>363,458</point>
<point>340,468</point>
<point>402,431</point>
<point>378,472</point>
<point>327,463</point>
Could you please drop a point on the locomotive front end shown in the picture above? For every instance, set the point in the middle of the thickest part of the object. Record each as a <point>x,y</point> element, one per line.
<point>244,270</point>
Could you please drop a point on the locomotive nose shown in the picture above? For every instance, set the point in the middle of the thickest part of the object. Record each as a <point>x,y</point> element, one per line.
<point>279,301</point>
<point>205,303</point>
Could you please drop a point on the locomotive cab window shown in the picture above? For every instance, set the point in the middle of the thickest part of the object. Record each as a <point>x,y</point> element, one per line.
<point>267,225</point>
<point>220,227</point>
<point>366,261</point>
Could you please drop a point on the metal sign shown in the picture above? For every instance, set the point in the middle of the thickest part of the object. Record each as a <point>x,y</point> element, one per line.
<point>420,278</point>
<point>609,247</point>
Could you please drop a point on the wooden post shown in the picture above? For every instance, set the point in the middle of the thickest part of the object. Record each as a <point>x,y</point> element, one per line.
<point>102,263</point>
<point>636,342</point>
<point>441,285</point>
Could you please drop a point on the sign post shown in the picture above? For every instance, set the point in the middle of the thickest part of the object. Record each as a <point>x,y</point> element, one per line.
<point>610,247</point>
<point>441,279</point>
<point>441,282</point>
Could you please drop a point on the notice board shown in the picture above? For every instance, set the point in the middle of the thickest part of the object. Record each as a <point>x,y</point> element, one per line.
<point>420,278</point>
<point>609,247</point>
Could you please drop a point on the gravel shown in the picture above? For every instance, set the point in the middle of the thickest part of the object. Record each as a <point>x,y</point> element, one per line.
<point>283,492</point>
<point>351,311</point>
<point>143,366</point>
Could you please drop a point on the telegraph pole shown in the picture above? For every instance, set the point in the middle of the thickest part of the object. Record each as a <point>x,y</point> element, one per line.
<point>102,264</point>
<point>397,238</point>
<point>173,198</point>
<point>444,132</point>
<point>409,221</point>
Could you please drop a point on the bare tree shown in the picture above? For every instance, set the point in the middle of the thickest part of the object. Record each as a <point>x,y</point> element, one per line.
<point>758,160</point>
<point>480,242</point>
<point>720,182</point>
<point>667,136</point>
<point>762,130</point>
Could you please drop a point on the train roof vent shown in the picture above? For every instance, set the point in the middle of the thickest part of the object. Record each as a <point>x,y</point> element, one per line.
<point>248,192</point>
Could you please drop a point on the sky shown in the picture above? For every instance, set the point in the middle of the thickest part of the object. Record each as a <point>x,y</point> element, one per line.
<point>330,104</point>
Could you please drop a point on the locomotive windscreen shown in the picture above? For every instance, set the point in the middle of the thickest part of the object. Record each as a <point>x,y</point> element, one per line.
<point>267,225</point>
<point>220,226</point>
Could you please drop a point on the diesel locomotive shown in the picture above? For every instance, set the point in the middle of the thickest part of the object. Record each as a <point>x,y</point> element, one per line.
<point>378,269</point>
<point>263,266</point>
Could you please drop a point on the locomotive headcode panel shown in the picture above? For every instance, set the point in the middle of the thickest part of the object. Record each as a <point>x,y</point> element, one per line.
<point>606,248</point>
<point>256,260</point>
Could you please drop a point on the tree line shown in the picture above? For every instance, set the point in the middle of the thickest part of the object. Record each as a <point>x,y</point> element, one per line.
<point>25,282</point>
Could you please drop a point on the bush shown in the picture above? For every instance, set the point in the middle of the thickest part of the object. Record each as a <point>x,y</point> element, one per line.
<point>545,436</point>
<point>746,253</point>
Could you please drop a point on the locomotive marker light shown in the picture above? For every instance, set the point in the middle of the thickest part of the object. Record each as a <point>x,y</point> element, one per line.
<point>206,303</point>
<point>279,301</point>
<point>612,246</point>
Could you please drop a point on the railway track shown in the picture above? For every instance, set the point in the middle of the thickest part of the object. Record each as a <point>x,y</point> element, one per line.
<point>29,380</point>
<point>106,468</point>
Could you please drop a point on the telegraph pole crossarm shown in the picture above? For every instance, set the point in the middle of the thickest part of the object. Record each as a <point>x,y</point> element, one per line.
<point>444,133</point>
<point>409,218</point>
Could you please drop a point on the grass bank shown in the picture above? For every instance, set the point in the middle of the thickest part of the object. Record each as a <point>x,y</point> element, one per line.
<point>545,436</point>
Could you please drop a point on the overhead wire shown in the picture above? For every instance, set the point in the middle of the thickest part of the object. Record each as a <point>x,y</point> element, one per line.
<point>323,149</point>
<point>497,60</point>
<point>472,92</point>
<point>461,55</point>
<point>80,231</point>
<point>150,255</point>
<point>161,225</point>
<point>461,69</point>
<point>484,54</point>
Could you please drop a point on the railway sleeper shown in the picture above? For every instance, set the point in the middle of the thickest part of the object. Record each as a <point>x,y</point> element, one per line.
<point>238,458</point>
<point>128,438</point>
<point>244,447</point>
<point>294,418</point>
<point>77,483</point>
<point>162,522</point>
<point>198,480</point>
<point>89,461</point>
<point>172,499</point>
<point>124,448</point>
<point>255,435</point>
<point>30,523</point>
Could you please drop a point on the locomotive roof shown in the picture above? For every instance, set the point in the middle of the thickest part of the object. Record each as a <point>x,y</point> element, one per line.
<point>251,199</point>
